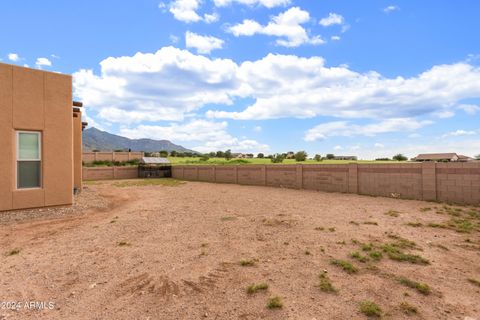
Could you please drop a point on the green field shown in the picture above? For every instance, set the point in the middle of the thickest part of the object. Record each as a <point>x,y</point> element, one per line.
<point>222,161</point>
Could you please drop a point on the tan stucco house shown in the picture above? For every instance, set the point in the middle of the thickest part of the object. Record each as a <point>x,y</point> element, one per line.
<point>40,139</point>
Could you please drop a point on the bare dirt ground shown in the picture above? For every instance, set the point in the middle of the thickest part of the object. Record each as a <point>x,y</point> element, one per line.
<point>190,251</point>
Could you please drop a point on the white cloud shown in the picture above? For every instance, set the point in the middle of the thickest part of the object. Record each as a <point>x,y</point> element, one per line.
<point>332,19</point>
<point>337,148</point>
<point>174,39</point>
<point>165,85</point>
<point>444,114</point>
<point>246,28</point>
<point>211,18</point>
<point>378,145</point>
<point>459,133</point>
<point>286,26</point>
<point>391,8</point>
<point>335,38</point>
<point>257,129</point>
<point>186,11</point>
<point>212,136</point>
<point>203,44</point>
<point>290,86</point>
<point>172,84</point>
<point>13,57</point>
<point>470,109</point>
<point>265,3</point>
<point>347,129</point>
<point>92,123</point>
<point>43,62</point>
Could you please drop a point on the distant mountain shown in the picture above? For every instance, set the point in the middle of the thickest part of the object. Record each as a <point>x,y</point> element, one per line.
<point>94,139</point>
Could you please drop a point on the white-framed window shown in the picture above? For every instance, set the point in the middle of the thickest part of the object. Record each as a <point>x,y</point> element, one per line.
<point>29,159</point>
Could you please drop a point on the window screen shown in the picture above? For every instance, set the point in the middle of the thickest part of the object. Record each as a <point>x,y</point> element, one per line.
<point>29,162</point>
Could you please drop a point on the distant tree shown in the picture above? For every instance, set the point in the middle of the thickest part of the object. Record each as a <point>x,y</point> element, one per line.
<point>477,157</point>
<point>212,154</point>
<point>220,154</point>
<point>147,154</point>
<point>188,154</point>
<point>249,155</point>
<point>95,150</point>
<point>118,150</point>
<point>300,156</point>
<point>204,157</point>
<point>399,157</point>
<point>290,155</point>
<point>163,153</point>
<point>228,154</point>
<point>269,156</point>
<point>260,156</point>
<point>173,153</point>
<point>180,154</point>
<point>330,156</point>
<point>277,158</point>
<point>317,157</point>
<point>382,159</point>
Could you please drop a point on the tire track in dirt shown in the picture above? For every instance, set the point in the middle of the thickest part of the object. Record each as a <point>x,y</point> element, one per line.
<point>164,287</point>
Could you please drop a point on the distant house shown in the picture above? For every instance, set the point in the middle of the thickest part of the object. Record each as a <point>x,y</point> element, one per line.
<point>352,158</point>
<point>238,155</point>
<point>463,158</point>
<point>442,157</point>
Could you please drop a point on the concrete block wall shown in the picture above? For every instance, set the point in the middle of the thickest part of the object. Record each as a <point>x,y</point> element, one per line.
<point>109,173</point>
<point>402,180</point>
<point>206,174</point>
<point>458,182</point>
<point>226,174</point>
<point>89,157</point>
<point>284,176</point>
<point>446,182</point>
<point>333,178</point>
<point>251,175</point>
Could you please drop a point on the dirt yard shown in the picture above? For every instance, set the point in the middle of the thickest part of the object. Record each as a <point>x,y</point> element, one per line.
<point>127,250</point>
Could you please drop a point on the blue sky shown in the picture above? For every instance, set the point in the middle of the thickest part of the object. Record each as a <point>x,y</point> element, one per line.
<point>367,78</point>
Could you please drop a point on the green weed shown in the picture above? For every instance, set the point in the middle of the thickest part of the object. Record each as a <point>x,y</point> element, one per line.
<point>345,265</point>
<point>370,309</point>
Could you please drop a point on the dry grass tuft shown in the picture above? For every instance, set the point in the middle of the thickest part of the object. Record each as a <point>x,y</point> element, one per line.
<point>370,309</point>
<point>274,303</point>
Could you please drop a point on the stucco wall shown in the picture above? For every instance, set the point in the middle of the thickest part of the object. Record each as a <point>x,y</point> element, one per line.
<point>451,182</point>
<point>38,101</point>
